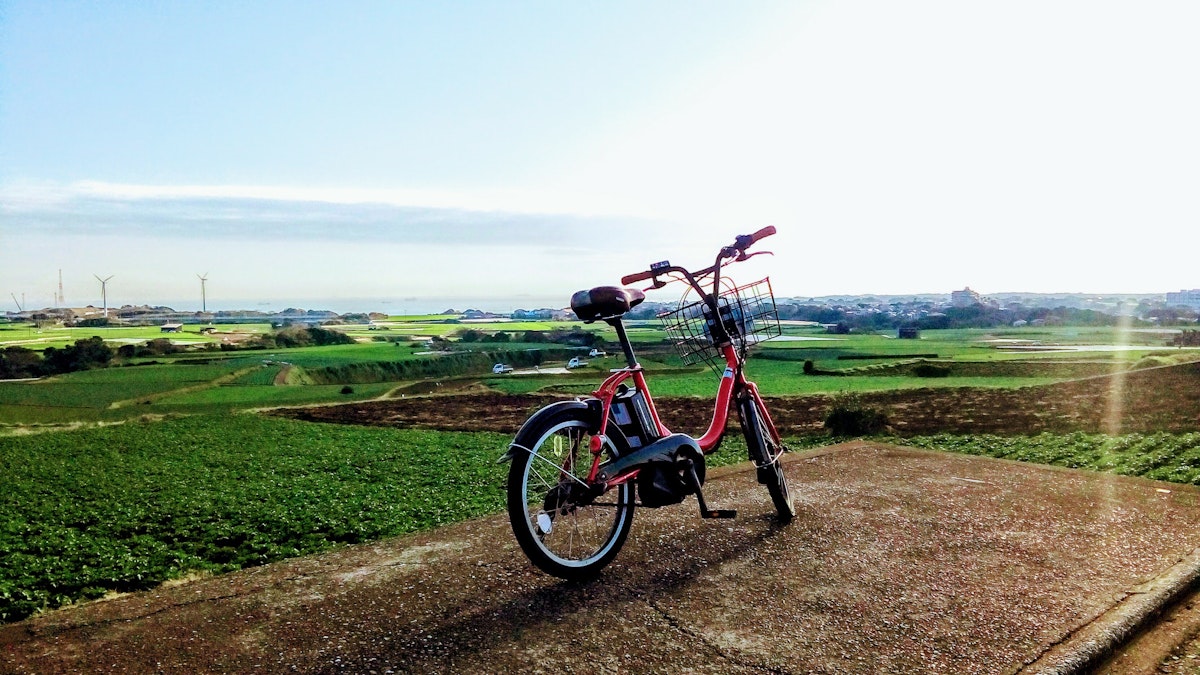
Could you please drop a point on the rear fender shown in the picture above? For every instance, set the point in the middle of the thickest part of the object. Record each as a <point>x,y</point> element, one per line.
<point>591,406</point>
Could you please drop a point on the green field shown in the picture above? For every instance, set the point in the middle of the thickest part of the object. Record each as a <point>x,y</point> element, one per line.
<point>128,506</point>
<point>1160,456</point>
<point>211,381</point>
<point>25,335</point>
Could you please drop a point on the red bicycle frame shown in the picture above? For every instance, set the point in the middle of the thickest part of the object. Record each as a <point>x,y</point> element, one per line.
<point>732,379</point>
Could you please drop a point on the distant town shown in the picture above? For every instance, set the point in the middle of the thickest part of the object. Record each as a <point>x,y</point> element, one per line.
<point>960,308</point>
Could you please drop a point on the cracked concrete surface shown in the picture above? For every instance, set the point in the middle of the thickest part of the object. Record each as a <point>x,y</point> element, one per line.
<point>898,561</point>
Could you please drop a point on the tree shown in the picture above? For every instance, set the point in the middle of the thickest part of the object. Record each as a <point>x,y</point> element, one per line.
<point>1187,338</point>
<point>83,355</point>
<point>470,335</point>
<point>19,362</point>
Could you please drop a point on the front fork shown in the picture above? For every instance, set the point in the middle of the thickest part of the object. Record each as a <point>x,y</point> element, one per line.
<point>773,444</point>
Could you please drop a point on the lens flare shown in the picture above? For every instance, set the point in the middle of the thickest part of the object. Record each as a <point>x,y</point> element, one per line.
<point>1114,411</point>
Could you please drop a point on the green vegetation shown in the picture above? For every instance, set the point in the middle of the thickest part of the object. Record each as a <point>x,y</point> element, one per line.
<point>849,416</point>
<point>125,507</point>
<point>1159,456</point>
<point>172,381</point>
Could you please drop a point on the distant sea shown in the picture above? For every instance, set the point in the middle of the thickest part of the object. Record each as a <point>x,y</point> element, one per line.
<point>392,306</point>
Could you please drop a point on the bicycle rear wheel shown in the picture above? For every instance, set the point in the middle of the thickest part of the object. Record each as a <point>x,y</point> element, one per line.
<point>564,529</point>
<point>765,452</point>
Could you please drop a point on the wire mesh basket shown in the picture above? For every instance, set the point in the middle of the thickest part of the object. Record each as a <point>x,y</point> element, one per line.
<point>747,312</point>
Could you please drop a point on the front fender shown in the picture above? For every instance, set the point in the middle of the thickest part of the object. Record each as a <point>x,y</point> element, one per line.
<point>592,406</point>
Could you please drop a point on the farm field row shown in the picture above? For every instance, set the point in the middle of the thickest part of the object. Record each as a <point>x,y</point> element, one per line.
<point>211,381</point>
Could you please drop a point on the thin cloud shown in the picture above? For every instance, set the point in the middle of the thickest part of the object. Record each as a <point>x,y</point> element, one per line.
<point>98,209</point>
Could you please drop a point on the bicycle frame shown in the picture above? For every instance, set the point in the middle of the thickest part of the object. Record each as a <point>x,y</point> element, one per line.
<point>733,383</point>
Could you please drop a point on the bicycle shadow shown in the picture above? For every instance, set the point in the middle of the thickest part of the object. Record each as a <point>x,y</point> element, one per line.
<point>661,566</point>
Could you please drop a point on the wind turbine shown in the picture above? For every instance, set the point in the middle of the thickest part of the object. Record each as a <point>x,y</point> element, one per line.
<point>104,291</point>
<point>203,294</point>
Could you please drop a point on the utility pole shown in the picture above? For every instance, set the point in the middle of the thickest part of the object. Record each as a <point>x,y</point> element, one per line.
<point>104,291</point>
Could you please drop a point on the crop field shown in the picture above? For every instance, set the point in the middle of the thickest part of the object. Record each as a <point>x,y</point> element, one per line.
<point>39,338</point>
<point>170,477</point>
<point>126,507</point>
<point>1158,456</point>
<point>253,396</point>
<point>94,395</point>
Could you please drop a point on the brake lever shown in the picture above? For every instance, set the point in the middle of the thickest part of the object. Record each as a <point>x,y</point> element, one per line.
<point>746,256</point>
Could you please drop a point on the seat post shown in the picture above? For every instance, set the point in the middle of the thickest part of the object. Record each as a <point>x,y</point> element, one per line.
<point>626,347</point>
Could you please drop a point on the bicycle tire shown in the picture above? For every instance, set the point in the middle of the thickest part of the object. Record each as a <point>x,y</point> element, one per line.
<point>561,537</point>
<point>765,452</point>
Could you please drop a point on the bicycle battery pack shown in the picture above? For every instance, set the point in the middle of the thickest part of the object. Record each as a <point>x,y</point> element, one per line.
<point>630,412</point>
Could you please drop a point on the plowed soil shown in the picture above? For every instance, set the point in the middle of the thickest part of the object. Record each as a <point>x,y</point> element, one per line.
<point>1155,399</point>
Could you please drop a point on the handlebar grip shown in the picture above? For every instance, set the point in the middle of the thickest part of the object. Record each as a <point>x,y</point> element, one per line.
<point>636,277</point>
<point>762,234</point>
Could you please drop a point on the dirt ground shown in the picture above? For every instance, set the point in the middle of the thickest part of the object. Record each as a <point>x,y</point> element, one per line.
<point>1156,399</point>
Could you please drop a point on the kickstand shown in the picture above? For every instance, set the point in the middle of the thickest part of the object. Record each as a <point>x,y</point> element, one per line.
<point>693,481</point>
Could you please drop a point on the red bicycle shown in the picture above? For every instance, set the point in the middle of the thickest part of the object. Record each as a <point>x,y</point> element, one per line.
<point>575,464</point>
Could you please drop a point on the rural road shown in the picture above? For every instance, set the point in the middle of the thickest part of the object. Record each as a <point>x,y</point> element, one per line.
<point>899,561</point>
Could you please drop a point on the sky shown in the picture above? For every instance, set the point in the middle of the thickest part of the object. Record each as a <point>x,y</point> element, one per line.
<point>402,155</point>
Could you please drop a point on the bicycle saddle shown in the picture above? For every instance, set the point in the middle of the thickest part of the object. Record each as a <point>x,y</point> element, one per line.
<point>605,302</point>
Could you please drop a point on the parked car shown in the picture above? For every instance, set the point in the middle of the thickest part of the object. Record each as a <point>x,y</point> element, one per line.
<point>597,353</point>
<point>576,362</point>
<point>501,368</point>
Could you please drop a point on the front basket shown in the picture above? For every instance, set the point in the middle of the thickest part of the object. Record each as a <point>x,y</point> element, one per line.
<point>748,313</point>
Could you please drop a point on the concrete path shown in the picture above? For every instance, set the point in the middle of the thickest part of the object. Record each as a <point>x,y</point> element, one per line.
<point>899,561</point>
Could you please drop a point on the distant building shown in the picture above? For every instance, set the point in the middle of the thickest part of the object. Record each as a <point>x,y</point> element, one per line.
<point>1185,299</point>
<point>909,333</point>
<point>171,328</point>
<point>965,298</point>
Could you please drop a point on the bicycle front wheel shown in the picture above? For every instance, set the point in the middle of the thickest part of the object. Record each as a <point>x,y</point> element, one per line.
<point>563,528</point>
<point>765,452</point>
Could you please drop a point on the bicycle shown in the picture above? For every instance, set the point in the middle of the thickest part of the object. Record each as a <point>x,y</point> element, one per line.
<point>575,464</point>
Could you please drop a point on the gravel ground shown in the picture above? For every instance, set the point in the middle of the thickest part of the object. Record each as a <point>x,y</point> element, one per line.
<point>899,561</point>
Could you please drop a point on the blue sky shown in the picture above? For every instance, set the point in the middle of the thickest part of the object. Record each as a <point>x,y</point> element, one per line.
<point>473,150</point>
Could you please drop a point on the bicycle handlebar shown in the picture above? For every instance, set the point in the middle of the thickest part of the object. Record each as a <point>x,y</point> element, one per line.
<point>761,234</point>
<point>634,278</point>
<point>740,244</point>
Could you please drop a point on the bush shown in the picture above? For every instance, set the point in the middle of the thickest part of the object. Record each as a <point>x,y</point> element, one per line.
<point>306,336</point>
<point>83,355</point>
<point>851,417</point>
<point>18,362</point>
<point>930,370</point>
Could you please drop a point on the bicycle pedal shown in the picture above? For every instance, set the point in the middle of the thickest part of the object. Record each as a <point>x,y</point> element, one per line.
<point>719,513</point>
